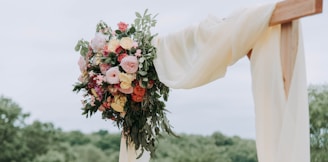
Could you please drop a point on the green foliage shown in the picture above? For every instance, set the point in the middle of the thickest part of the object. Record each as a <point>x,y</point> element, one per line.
<point>90,153</point>
<point>41,142</point>
<point>108,142</point>
<point>214,148</point>
<point>82,46</point>
<point>76,138</point>
<point>19,141</point>
<point>318,103</point>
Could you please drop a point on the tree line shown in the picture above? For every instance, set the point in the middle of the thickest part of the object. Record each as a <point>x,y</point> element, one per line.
<point>43,142</point>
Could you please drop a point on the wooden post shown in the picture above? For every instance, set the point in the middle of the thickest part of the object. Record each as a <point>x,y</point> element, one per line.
<point>286,13</point>
<point>288,51</point>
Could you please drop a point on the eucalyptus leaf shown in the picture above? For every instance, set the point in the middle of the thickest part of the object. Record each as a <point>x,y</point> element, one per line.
<point>138,15</point>
<point>142,73</point>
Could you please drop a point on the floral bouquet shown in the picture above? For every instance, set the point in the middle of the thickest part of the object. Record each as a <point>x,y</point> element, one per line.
<point>118,79</point>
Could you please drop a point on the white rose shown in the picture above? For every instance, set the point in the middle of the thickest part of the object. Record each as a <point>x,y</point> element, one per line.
<point>98,42</point>
<point>126,43</point>
<point>113,44</point>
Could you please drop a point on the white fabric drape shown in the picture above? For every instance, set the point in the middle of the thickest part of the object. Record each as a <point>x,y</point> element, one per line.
<point>129,154</point>
<point>201,54</point>
<point>282,125</point>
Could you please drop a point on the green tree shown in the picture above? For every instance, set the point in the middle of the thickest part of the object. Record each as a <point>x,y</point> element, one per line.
<point>90,153</point>
<point>11,121</point>
<point>318,103</point>
<point>197,148</point>
<point>108,141</point>
<point>75,138</point>
<point>21,142</point>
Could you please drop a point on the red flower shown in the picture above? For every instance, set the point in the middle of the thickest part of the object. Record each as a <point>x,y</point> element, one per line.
<point>122,26</point>
<point>138,90</point>
<point>119,50</point>
<point>121,56</point>
<point>137,98</point>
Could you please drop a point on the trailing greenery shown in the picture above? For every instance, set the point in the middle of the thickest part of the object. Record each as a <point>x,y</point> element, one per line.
<point>119,80</point>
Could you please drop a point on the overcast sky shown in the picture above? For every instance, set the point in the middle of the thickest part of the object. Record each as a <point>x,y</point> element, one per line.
<point>38,64</point>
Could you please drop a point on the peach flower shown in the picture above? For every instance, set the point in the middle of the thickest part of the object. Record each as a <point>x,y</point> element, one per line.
<point>126,91</point>
<point>126,80</point>
<point>130,64</point>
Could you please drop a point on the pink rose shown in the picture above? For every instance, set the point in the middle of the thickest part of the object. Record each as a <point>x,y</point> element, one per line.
<point>130,64</point>
<point>82,64</point>
<point>104,67</point>
<point>98,42</point>
<point>122,26</point>
<point>112,75</point>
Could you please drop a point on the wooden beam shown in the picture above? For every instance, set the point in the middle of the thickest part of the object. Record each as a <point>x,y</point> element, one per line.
<point>285,13</point>
<point>288,51</point>
<point>289,10</point>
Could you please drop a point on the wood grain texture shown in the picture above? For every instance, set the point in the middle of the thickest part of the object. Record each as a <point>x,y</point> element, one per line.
<point>288,51</point>
<point>289,10</point>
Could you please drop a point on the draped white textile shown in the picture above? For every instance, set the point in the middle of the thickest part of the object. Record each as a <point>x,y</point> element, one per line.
<point>201,54</point>
<point>129,154</point>
<point>282,125</point>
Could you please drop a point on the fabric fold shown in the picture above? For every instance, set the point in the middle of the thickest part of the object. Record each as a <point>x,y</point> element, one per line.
<point>129,154</point>
<point>201,54</point>
<point>282,124</point>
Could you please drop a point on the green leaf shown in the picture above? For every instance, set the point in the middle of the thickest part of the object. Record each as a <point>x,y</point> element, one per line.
<point>131,30</point>
<point>77,47</point>
<point>142,73</point>
<point>118,31</point>
<point>142,59</point>
<point>138,15</point>
<point>137,22</point>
